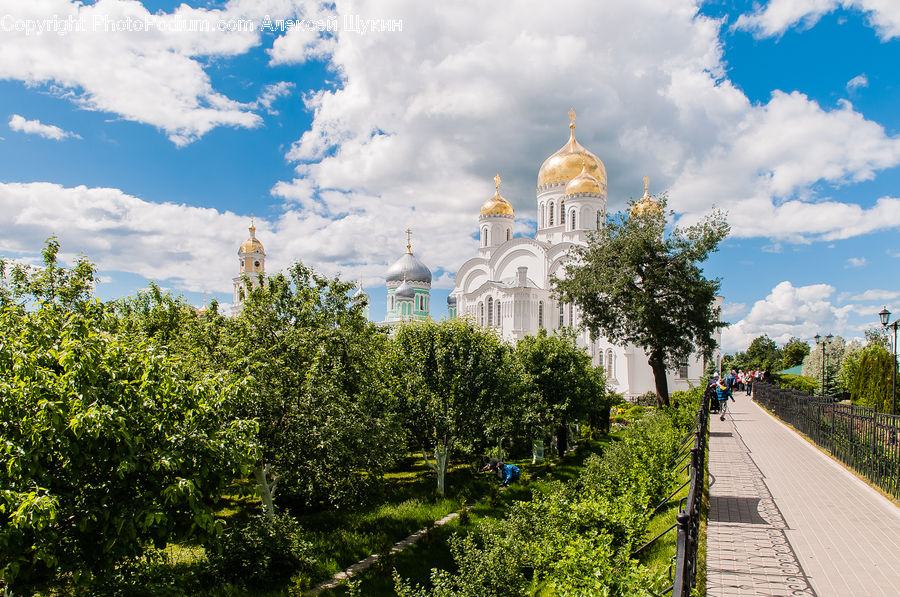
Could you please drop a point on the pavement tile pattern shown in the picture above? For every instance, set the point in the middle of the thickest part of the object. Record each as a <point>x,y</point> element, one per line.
<point>785,519</point>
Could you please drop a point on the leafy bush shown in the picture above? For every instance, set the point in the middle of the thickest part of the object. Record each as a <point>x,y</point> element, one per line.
<point>802,383</point>
<point>872,382</point>
<point>575,538</point>
<point>262,552</point>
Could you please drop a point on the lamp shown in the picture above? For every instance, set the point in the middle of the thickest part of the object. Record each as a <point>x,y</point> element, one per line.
<point>885,317</point>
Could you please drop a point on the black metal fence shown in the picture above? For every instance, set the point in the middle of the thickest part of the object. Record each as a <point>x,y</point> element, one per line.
<point>859,437</point>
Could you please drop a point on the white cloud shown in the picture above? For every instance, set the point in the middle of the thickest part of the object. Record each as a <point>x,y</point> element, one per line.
<point>777,16</point>
<point>271,93</point>
<point>731,310</point>
<point>36,127</point>
<point>870,295</point>
<point>142,66</point>
<point>856,262</point>
<point>789,311</point>
<point>857,82</point>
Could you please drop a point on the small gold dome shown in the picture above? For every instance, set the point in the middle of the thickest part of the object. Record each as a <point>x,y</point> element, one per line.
<point>252,244</point>
<point>584,183</point>
<point>497,205</point>
<point>646,204</point>
<point>565,164</point>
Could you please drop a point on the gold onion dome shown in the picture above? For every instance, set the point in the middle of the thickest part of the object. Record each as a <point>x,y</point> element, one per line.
<point>252,244</point>
<point>646,204</point>
<point>497,205</point>
<point>565,164</point>
<point>584,183</point>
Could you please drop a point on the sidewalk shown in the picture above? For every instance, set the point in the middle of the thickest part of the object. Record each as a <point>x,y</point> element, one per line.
<point>785,519</point>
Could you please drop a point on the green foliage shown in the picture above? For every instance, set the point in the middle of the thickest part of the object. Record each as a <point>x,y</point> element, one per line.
<point>457,383</point>
<point>635,284</point>
<point>833,359</point>
<point>574,538</point>
<point>314,374</point>
<point>108,446</point>
<point>561,384</point>
<point>262,552</point>
<point>796,382</point>
<point>872,383</point>
<point>792,354</point>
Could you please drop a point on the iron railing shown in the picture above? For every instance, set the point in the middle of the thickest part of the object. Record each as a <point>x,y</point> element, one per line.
<point>860,437</point>
<point>687,543</point>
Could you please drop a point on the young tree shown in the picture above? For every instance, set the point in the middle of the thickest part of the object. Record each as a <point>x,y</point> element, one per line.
<point>872,382</point>
<point>107,445</point>
<point>455,380</point>
<point>313,372</point>
<point>834,357</point>
<point>793,353</point>
<point>636,284</point>
<point>561,384</point>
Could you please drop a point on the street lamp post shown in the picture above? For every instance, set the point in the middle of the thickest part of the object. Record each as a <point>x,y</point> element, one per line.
<point>885,316</point>
<point>827,340</point>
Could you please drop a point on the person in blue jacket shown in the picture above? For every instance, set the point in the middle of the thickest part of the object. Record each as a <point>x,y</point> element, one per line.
<point>723,393</point>
<point>508,474</point>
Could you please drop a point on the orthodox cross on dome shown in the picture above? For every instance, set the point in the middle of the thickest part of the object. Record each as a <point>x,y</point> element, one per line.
<point>408,247</point>
<point>572,117</point>
<point>497,181</point>
<point>252,225</point>
<point>646,185</point>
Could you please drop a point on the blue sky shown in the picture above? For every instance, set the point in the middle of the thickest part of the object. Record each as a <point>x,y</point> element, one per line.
<point>145,137</point>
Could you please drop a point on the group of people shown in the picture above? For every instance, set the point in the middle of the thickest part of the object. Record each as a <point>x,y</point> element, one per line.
<point>507,473</point>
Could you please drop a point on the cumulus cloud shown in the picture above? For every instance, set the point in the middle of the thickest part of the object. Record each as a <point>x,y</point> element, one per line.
<point>789,311</point>
<point>116,56</point>
<point>870,295</point>
<point>856,262</point>
<point>777,16</point>
<point>36,127</point>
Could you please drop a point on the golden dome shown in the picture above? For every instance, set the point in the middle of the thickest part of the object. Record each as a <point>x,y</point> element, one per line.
<point>646,204</point>
<point>497,205</point>
<point>252,244</point>
<point>565,164</point>
<point>584,183</point>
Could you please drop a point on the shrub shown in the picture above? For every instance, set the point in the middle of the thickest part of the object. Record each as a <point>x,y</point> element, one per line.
<point>802,383</point>
<point>872,382</point>
<point>262,552</point>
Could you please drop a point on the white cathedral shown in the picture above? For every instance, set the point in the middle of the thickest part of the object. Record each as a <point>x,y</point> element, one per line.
<point>507,285</point>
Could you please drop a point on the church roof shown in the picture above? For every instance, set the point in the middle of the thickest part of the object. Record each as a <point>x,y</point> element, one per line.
<point>565,164</point>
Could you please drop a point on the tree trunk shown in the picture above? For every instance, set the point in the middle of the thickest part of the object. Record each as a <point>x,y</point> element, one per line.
<point>658,365</point>
<point>441,452</point>
<point>266,490</point>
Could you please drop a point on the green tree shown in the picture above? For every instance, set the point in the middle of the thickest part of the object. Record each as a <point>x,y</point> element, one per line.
<point>107,446</point>
<point>793,353</point>
<point>562,386</point>
<point>455,381</point>
<point>762,354</point>
<point>315,379</point>
<point>636,284</point>
<point>872,383</point>
<point>834,357</point>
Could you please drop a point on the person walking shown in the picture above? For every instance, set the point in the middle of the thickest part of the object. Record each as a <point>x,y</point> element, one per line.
<point>723,393</point>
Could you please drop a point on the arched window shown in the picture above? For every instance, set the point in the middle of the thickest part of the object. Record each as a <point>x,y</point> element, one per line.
<point>571,315</point>
<point>562,212</point>
<point>490,311</point>
<point>480,313</point>
<point>392,303</point>
<point>543,221</point>
<point>572,220</point>
<point>610,363</point>
<point>498,313</point>
<point>541,315</point>
<point>562,313</point>
<point>508,234</point>
<point>551,214</point>
<point>484,237</point>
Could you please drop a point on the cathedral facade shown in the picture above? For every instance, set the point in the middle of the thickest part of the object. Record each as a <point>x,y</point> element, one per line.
<point>507,286</point>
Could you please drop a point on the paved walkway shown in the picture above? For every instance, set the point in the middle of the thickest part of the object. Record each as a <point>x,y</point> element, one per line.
<point>785,519</point>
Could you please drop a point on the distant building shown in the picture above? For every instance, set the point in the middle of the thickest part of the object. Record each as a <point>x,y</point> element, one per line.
<point>252,257</point>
